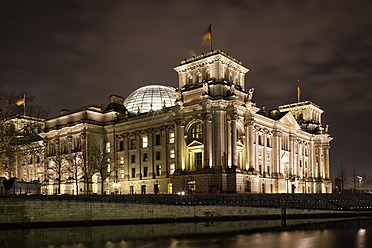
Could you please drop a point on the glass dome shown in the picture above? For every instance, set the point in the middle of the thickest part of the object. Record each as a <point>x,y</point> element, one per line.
<point>150,97</point>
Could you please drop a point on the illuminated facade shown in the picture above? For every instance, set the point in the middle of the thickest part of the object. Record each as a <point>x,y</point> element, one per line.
<point>207,136</point>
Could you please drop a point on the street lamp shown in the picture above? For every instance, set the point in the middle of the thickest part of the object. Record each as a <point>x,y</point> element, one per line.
<point>360,183</point>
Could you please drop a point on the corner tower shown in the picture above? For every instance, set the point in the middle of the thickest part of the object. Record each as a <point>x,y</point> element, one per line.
<point>214,74</point>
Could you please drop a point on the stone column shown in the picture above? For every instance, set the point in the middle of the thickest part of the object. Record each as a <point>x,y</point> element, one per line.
<point>234,151</point>
<point>219,148</point>
<point>326,161</point>
<point>138,156</point>
<point>291,156</point>
<point>206,139</point>
<point>163,155</point>
<point>250,148</point>
<point>150,157</point>
<point>126,157</point>
<point>179,143</point>
<point>276,153</point>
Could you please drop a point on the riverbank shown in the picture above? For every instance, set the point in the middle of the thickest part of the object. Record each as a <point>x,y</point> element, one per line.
<point>43,212</point>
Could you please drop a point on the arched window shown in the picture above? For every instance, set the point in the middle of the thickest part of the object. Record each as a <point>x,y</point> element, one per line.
<point>189,79</point>
<point>207,75</point>
<point>199,77</point>
<point>197,131</point>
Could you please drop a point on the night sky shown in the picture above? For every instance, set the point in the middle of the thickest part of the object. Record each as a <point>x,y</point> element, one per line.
<point>70,54</point>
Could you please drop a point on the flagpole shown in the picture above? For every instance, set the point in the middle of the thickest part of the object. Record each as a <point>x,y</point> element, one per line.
<point>211,36</point>
<point>24,104</point>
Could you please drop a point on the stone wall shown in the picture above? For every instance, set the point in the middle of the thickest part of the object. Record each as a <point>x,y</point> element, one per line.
<point>16,211</point>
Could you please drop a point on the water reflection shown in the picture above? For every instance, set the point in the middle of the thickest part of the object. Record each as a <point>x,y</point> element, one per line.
<point>257,234</point>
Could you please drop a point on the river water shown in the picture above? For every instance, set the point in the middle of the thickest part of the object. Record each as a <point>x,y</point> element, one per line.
<point>256,234</point>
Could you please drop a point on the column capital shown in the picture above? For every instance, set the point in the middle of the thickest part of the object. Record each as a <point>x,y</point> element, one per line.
<point>179,122</point>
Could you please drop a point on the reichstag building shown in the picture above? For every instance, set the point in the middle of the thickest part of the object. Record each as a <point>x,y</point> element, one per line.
<point>207,136</point>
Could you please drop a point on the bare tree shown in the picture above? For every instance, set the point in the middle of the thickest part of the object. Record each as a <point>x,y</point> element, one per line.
<point>74,161</point>
<point>57,161</point>
<point>342,174</point>
<point>99,158</point>
<point>88,169</point>
<point>15,128</point>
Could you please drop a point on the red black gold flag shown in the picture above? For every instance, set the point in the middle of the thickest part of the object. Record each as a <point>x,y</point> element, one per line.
<point>207,38</point>
<point>20,102</point>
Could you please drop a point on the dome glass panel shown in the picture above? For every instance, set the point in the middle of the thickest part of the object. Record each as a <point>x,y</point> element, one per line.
<point>150,97</point>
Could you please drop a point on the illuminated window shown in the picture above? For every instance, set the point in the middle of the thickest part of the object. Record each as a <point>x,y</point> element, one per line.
<point>122,174</point>
<point>145,141</point>
<point>172,155</point>
<point>189,79</point>
<point>197,131</point>
<point>108,147</point>
<point>108,166</point>
<point>145,157</point>
<point>158,170</point>
<point>171,137</point>
<point>107,180</point>
<point>259,154</point>
<point>172,168</point>
<point>122,160</point>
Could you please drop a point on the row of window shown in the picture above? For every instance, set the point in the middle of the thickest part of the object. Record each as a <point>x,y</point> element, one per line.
<point>145,156</point>
<point>145,141</point>
<point>145,171</point>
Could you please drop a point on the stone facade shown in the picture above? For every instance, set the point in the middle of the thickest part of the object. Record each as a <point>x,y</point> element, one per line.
<point>212,139</point>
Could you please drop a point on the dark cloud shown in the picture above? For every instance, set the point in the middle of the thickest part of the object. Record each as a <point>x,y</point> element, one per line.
<point>74,53</point>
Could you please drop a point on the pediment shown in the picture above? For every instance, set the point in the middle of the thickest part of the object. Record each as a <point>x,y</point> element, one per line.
<point>289,120</point>
<point>195,143</point>
<point>239,143</point>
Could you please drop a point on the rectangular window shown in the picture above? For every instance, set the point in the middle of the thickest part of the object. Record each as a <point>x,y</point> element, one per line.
<point>133,158</point>
<point>172,155</point>
<point>268,156</point>
<point>132,144</point>
<point>122,160</point>
<point>133,172</point>
<point>268,170</point>
<point>122,174</point>
<point>172,168</point>
<point>108,166</point>
<point>171,137</point>
<point>131,189</point>
<point>157,156</point>
<point>157,139</point>
<point>145,157</point>
<point>121,145</point>
<point>145,142</point>
<point>259,155</point>
<point>158,170</point>
<point>198,160</point>
<point>145,171</point>
<point>108,147</point>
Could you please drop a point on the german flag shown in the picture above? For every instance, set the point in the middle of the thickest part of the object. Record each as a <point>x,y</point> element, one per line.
<point>20,102</point>
<point>207,38</point>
